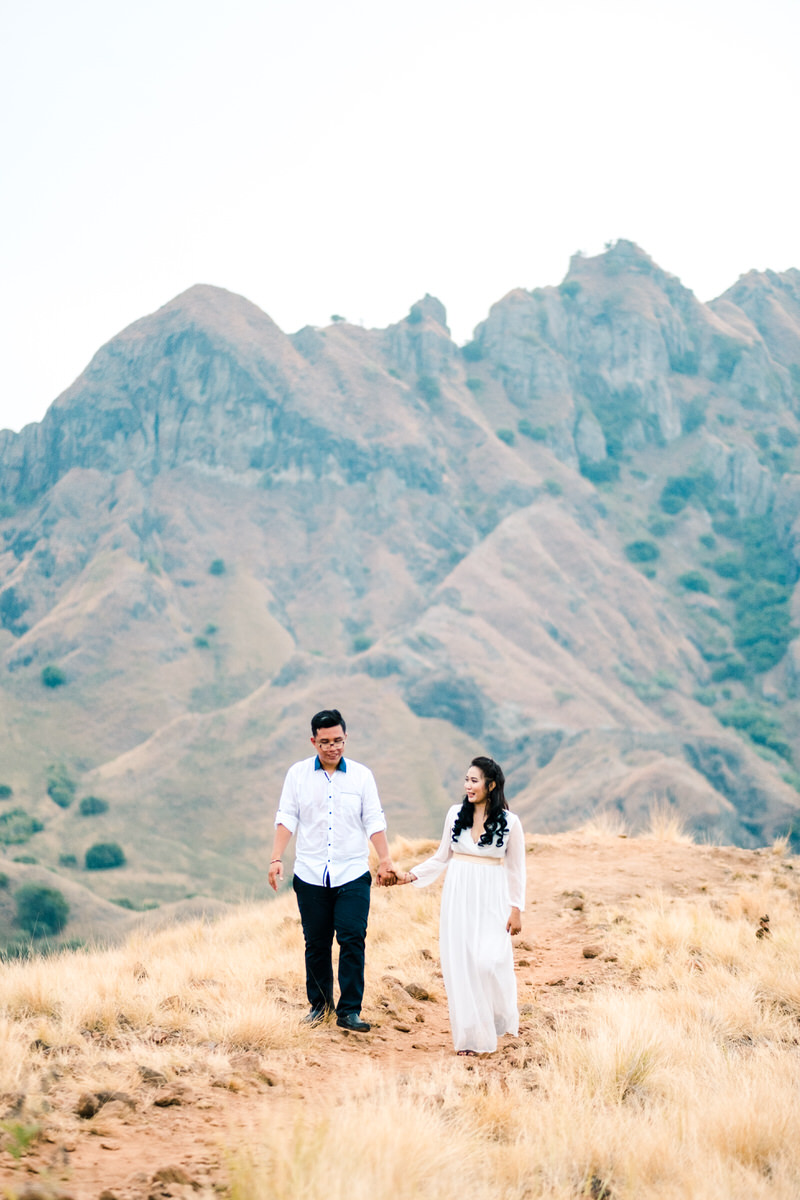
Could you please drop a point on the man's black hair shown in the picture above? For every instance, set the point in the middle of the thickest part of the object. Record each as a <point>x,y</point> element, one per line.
<point>327,719</point>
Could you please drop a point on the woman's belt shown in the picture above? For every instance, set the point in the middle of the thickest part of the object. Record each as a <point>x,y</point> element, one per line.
<point>493,860</point>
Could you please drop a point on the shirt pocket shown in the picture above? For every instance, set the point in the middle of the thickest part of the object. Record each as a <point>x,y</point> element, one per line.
<point>349,803</point>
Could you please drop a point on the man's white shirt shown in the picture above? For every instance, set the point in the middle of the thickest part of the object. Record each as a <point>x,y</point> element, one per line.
<point>333,816</point>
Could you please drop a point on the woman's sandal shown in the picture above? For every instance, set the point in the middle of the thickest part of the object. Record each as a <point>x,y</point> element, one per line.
<point>467,1053</point>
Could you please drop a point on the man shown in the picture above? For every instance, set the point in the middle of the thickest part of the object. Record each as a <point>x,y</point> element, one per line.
<point>333,805</point>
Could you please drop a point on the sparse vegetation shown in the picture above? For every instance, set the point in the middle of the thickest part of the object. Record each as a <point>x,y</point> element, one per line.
<point>217,567</point>
<point>18,826</point>
<point>506,435</point>
<point>60,785</point>
<point>40,910</point>
<point>728,566</point>
<point>472,352</point>
<point>570,289</point>
<point>537,433</point>
<point>694,581</point>
<point>53,676</point>
<point>6,791</point>
<point>642,552</point>
<point>428,387</point>
<point>553,487</point>
<point>104,856</point>
<point>759,726</point>
<point>361,642</point>
<point>605,471</point>
<point>92,806</point>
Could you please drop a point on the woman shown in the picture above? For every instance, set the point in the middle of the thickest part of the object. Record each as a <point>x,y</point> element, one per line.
<point>483,849</point>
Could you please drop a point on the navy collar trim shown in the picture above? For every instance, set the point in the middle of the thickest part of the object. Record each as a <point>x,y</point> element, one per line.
<point>341,766</point>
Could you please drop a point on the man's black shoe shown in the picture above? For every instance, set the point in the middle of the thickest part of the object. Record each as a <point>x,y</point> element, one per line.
<point>315,1017</point>
<point>353,1022</point>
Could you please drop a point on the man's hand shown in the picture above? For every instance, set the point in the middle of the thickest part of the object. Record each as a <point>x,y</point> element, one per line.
<point>387,876</point>
<point>514,924</point>
<point>275,874</point>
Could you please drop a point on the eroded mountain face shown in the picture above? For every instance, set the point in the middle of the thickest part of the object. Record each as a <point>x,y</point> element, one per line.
<point>572,544</point>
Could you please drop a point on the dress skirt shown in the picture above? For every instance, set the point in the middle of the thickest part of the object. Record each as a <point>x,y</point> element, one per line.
<point>477,955</point>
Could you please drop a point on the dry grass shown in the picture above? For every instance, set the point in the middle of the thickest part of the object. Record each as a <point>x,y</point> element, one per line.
<point>680,1079</point>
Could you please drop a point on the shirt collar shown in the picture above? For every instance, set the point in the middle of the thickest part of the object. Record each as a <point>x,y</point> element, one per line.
<point>342,765</point>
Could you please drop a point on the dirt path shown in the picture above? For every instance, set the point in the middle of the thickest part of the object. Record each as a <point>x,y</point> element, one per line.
<point>170,1139</point>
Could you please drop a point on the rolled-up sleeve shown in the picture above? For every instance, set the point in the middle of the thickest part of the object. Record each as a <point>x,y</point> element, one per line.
<point>372,817</point>
<point>515,866</point>
<point>288,813</point>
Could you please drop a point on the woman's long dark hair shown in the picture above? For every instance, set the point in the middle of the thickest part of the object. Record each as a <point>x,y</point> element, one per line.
<point>495,824</point>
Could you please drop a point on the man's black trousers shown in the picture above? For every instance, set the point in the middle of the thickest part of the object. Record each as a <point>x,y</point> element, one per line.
<point>343,911</point>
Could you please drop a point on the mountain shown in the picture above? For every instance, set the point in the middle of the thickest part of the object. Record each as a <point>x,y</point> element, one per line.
<point>572,543</point>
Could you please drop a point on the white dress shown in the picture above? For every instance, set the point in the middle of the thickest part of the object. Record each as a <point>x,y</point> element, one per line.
<point>475,948</point>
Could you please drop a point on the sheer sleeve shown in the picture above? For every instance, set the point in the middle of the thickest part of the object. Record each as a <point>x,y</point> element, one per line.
<point>432,867</point>
<point>515,865</point>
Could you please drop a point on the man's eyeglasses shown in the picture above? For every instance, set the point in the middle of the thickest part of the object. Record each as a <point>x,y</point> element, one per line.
<point>333,744</point>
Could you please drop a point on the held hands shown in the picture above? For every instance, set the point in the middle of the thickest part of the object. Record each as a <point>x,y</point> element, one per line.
<point>389,876</point>
<point>514,924</point>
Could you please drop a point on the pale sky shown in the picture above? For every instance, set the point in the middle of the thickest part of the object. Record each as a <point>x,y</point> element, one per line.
<point>348,157</point>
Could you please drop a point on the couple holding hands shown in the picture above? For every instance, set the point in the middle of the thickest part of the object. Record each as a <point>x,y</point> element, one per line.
<point>332,804</point>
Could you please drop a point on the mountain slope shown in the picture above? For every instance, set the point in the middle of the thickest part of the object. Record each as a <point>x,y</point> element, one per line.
<point>573,544</point>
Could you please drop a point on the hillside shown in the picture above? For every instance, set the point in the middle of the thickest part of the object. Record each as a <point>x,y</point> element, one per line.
<point>656,1056</point>
<point>572,543</point>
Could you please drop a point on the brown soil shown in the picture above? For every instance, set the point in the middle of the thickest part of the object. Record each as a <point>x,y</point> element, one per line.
<point>167,1140</point>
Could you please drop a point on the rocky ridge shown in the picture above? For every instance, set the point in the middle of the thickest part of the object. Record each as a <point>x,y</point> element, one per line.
<point>573,542</point>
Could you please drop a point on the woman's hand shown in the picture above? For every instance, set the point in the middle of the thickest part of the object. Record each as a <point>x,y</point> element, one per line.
<point>514,923</point>
<point>405,877</point>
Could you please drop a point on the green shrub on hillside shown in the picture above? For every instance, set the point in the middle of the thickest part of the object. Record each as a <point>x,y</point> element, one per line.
<point>472,352</point>
<point>694,581</point>
<point>537,432</point>
<point>728,354</point>
<point>67,860</point>
<point>428,388</point>
<point>40,910</point>
<point>60,785</point>
<point>553,487</point>
<point>642,551</point>
<point>729,668</point>
<point>729,566</point>
<point>708,540</point>
<point>695,415</point>
<point>569,289</point>
<point>605,471</point>
<point>475,385</point>
<point>414,315</point>
<point>679,490</point>
<point>685,362</point>
<point>18,826</point>
<point>5,791</point>
<point>52,676</point>
<point>103,856</point>
<point>761,728</point>
<point>787,437</point>
<point>3,881</point>
<point>506,435</point>
<point>217,567</point>
<point>92,806</point>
